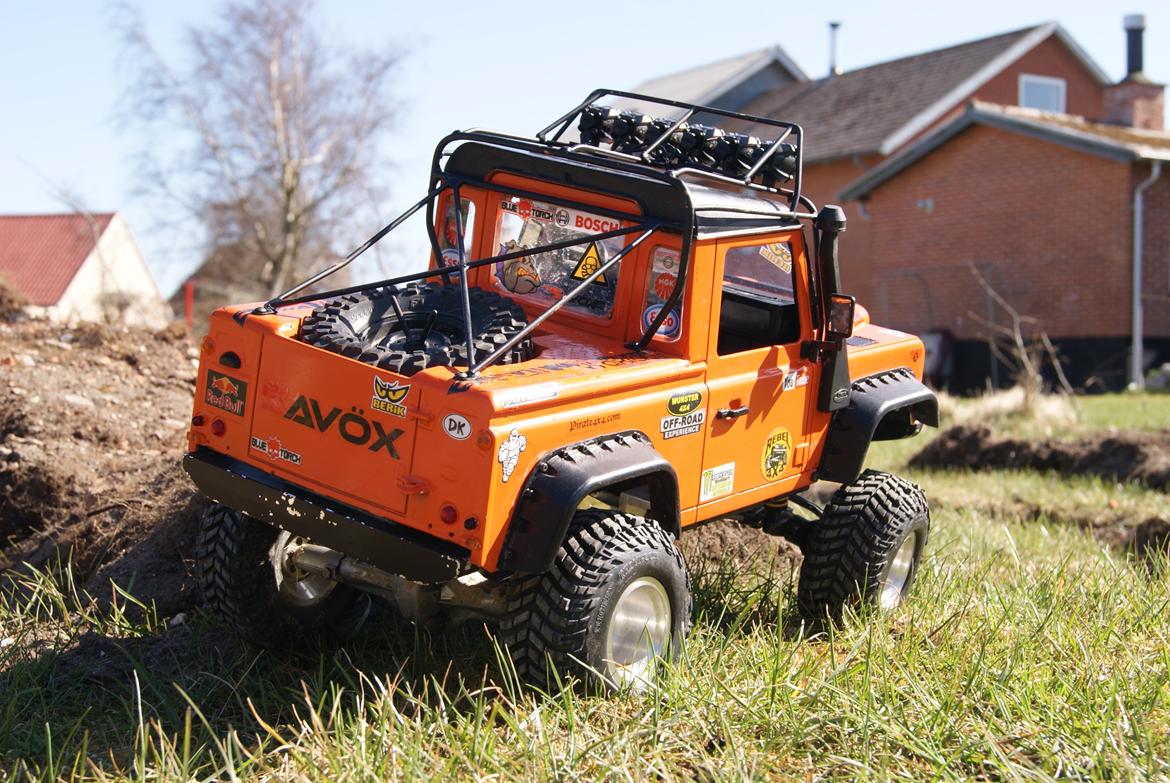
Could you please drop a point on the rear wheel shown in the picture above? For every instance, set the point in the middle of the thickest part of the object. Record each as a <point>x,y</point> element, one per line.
<point>615,602</point>
<point>251,585</point>
<point>865,549</point>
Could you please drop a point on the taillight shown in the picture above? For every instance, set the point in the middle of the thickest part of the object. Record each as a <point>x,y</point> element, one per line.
<point>218,428</point>
<point>448,514</point>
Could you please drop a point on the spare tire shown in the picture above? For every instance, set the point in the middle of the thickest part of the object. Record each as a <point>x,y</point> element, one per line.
<point>365,326</point>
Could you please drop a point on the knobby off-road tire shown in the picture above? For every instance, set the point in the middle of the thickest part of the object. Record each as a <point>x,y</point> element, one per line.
<point>237,570</point>
<point>566,616</point>
<point>364,326</point>
<point>865,550</point>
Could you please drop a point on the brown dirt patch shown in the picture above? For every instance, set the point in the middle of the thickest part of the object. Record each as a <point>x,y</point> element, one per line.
<point>1143,457</point>
<point>92,423</point>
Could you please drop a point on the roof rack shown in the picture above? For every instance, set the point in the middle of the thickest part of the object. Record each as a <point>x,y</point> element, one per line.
<point>681,146</point>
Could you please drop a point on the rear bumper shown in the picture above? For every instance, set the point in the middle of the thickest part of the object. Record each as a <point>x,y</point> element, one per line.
<point>388,545</point>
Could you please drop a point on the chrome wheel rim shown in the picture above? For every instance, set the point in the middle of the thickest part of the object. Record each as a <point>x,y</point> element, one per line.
<point>637,633</point>
<point>894,585</point>
<point>294,585</point>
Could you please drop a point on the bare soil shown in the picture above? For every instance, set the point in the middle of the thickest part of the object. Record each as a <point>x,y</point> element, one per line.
<point>1130,456</point>
<point>92,422</point>
<point>1143,457</point>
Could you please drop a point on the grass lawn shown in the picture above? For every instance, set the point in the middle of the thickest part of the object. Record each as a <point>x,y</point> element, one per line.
<point>1032,649</point>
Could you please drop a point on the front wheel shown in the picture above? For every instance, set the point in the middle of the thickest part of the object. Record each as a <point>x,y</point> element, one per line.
<point>615,602</point>
<point>865,549</point>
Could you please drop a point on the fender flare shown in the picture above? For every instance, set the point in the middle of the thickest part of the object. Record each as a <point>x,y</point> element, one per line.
<point>561,479</point>
<point>887,406</point>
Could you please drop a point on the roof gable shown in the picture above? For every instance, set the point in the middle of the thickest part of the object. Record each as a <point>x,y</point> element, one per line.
<point>702,84</point>
<point>1109,141</point>
<point>40,254</point>
<point>881,107</point>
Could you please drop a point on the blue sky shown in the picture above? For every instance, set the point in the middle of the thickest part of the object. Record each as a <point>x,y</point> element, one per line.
<point>506,66</point>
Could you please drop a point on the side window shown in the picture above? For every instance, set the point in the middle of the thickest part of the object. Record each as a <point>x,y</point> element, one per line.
<point>545,277</point>
<point>660,280</point>
<point>758,303</point>
<point>448,234</point>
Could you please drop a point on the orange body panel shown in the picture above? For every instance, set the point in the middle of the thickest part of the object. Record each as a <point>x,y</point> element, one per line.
<point>404,448</point>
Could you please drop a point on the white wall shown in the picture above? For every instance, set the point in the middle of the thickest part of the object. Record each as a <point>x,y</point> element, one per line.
<point>114,270</point>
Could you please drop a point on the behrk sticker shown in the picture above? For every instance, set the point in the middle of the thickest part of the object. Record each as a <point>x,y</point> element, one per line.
<point>388,397</point>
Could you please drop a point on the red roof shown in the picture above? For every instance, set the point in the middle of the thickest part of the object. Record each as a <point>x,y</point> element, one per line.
<point>40,254</point>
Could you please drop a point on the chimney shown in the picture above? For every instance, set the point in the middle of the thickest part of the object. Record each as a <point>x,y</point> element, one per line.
<point>1135,101</point>
<point>834,68</point>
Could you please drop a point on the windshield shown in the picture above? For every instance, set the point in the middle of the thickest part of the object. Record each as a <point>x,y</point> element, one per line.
<point>545,277</point>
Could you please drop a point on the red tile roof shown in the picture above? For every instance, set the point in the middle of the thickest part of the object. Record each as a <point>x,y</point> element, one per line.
<point>40,254</point>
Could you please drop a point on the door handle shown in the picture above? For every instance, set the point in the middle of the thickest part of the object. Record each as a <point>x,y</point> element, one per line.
<point>731,413</point>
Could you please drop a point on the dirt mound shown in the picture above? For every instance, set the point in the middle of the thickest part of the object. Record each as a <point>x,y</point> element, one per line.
<point>1123,456</point>
<point>92,421</point>
<point>12,302</point>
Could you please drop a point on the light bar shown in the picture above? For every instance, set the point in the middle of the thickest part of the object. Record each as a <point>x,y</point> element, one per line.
<point>689,145</point>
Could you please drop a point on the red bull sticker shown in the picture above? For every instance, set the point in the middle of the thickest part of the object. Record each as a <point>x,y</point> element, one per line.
<point>225,392</point>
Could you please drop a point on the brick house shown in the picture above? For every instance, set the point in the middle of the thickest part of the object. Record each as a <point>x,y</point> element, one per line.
<point>978,154</point>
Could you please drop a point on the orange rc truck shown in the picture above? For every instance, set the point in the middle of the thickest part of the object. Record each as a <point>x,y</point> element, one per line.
<point>625,330</point>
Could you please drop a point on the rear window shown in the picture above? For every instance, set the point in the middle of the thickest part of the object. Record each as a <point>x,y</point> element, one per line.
<point>545,277</point>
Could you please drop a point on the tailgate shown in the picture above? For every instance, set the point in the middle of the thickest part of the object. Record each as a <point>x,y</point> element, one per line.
<point>334,424</point>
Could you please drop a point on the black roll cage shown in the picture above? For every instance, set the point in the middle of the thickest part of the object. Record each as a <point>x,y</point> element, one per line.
<point>442,180</point>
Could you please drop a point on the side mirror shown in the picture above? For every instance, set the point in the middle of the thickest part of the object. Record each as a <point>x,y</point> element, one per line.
<point>841,307</point>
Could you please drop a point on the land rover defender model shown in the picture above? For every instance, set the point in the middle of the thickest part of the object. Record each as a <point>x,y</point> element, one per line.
<point>631,324</point>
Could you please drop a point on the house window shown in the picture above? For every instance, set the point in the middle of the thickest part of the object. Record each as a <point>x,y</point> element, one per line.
<point>1045,93</point>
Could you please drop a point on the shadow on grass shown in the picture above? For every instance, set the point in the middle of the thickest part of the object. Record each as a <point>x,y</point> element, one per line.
<point>85,695</point>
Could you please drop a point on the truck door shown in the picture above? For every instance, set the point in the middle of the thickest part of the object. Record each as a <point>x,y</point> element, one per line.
<point>757,437</point>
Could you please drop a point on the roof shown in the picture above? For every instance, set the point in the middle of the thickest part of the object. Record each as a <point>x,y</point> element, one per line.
<point>879,108</point>
<point>702,84</point>
<point>1111,141</point>
<point>40,254</point>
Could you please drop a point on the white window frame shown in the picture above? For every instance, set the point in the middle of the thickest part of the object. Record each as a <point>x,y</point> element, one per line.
<point>1045,81</point>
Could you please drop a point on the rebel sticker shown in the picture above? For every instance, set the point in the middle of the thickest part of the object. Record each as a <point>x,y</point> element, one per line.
<point>590,262</point>
<point>777,453</point>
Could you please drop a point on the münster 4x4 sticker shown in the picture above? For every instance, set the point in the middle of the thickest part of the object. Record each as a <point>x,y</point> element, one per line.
<point>388,397</point>
<point>226,393</point>
<point>509,453</point>
<point>777,453</point>
<point>686,414</point>
<point>352,427</point>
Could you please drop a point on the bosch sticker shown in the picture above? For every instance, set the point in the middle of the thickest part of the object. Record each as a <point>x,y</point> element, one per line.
<point>388,397</point>
<point>509,453</point>
<point>716,482</point>
<point>777,453</point>
<point>226,393</point>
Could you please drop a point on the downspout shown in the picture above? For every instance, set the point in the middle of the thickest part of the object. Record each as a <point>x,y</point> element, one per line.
<point>1137,378</point>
